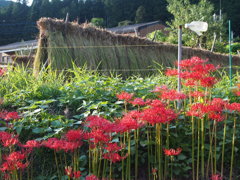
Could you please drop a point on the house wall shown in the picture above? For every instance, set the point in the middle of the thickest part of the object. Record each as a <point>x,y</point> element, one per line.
<point>144,31</point>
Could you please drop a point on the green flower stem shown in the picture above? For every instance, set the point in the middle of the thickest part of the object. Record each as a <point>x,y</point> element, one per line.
<point>136,137</point>
<point>223,145</point>
<point>210,156</point>
<point>166,157</point>
<point>202,149</point>
<point>104,168</point>
<point>198,150</point>
<point>159,149</point>
<point>193,146</point>
<point>233,147</point>
<point>56,161</point>
<point>149,156</point>
<point>215,147</point>
<point>110,171</point>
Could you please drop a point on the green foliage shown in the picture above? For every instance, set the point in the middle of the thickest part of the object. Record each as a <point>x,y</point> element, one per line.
<point>140,14</point>
<point>235,47</point>
<point>158,36</point>
<point>99,22</point>
<point>125,23</point>
<point>184,12</point>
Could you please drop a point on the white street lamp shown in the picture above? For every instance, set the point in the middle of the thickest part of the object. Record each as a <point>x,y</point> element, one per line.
<point>198,27</point>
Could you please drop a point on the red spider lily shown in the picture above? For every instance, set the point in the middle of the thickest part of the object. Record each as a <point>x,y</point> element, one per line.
<point>131,120</point>
<point>185,64</point>
<point>160,89</point>
<point>196,94</point>
<point>172,95</point>
<point>197,110</point>
<point>190,83</point>
<point>92,177</point>
<point>113,157</point>
<point>138,102</point>
<point>76,174</point>
<point>16,156</point>
<point>158,115</point>
<point>154,171</point>
<point>32,144</point>
<point>125,96</point>
<point>3,114</point>
<point>216,177</point>
<point>68,171</point>
<point>12,115</point>
<point>14,161</point>
<point>98,136</point>
<point>171,72</point>
<point>3,71</point>
<point>234,107</point>
<point>10,142</point>
<point>75,135</point>
<point>112,147</point>
<point>59,144</point>
<point>156,103</point>
<point>172,152</point>
<point>96,122</point>
<point>208,81</point>
<point>5,135</point>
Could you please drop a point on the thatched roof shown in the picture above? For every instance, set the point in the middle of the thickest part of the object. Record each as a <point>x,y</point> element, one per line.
<point>61,43</point>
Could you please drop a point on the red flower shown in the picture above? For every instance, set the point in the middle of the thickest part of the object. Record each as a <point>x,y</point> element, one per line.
<point>3,71</point>
<point>208,81</point>
<point>77,174</point>
<point>68,171</point>
<point>112,147</point>
<point>196,94</point>
<point>10,142</point>
<point>12,115</point>
<point>98,136</point>
<point>197,110</point>
<point>158,115</point>
<point>171,72</point>
<point>92,177</point>
<point>113,157</point>
<point>96,122</point>
<point>131,120</point>
<point>154,171</point>
<point>172,95</point>
<point>16,156</point>
<point>138,101</point>
<point>74,135</point>
<point>216,177</point>
<point>124,96</point>
<point>3,114</point>
<point>172,152</point>
<point>234,107</point>
<point>32,144</point>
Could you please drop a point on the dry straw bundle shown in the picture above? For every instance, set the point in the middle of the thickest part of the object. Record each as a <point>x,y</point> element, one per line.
<point>63,44</point>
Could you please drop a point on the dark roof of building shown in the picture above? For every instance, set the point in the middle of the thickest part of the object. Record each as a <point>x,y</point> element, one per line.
<point>17,46</point>
<point>132,28</point>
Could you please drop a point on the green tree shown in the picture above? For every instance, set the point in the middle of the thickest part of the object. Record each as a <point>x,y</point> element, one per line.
<point>140,14</point>
<point>99,22</point>
<point>185,12</point>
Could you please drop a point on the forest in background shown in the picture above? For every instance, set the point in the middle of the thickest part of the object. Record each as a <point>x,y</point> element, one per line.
<point>18,20</point>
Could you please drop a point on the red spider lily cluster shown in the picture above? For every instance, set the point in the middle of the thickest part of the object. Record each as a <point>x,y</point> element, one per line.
<point>172,152</point>
<point>9,115</point>
<point>195,72</point>
<point>17,157</point>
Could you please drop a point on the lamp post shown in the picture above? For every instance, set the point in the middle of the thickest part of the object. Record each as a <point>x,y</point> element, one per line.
<point>196,26</point>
